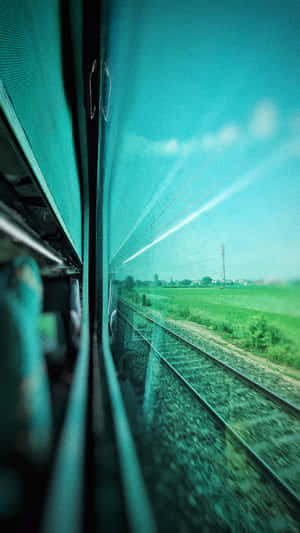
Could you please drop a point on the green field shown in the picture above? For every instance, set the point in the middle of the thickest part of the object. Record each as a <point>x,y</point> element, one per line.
<point>262,319</point>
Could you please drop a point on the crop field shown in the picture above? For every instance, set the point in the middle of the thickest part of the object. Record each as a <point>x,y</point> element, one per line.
<point>262,319</point>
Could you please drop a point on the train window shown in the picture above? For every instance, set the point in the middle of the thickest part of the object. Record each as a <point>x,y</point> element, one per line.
<point>202,161</point>
<point>149,266</point>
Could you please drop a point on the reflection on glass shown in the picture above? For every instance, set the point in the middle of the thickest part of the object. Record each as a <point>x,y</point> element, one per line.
<point>205,243</point>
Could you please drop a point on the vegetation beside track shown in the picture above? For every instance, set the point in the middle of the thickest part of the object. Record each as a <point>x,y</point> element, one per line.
<point>262,319</point>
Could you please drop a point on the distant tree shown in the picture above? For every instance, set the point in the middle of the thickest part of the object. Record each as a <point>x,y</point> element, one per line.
<point>129,283</point>
<point>206,280</point>
<point>186,282</point>
<point>157,282</point>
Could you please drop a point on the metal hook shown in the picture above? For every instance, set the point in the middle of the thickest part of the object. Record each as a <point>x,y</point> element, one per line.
<point>105,111</point>
<point>92,107</point>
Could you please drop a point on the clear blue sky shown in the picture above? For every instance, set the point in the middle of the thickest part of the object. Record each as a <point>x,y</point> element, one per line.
<point>204,123</point>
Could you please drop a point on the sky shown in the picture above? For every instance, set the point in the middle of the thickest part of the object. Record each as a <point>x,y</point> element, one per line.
<point>202,141</point>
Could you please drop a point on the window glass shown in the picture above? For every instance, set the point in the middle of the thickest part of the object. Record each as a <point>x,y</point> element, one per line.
<point>202,161</point>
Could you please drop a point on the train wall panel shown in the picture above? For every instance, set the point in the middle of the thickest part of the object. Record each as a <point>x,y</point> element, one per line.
<point>33,72</point>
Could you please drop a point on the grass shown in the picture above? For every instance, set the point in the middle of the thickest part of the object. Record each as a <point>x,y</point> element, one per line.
<point>262,319</point>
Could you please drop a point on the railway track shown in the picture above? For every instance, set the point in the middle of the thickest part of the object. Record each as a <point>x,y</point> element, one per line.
<point>263,423</point>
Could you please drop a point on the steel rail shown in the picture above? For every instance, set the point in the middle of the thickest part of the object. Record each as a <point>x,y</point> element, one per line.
<point>267,392</point>
<point>263,465</point>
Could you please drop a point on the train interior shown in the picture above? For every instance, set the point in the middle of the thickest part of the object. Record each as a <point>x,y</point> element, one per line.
<point>149,266</point>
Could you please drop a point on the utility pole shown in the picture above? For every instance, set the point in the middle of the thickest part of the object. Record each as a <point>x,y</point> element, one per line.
<point>223,262</point>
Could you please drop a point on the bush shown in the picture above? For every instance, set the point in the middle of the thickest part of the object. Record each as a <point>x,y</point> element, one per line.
<point>195,316</point>
<point>262,334</point>
<point>183,312</point>
<point>224,326</point>
<point>284,354</point>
